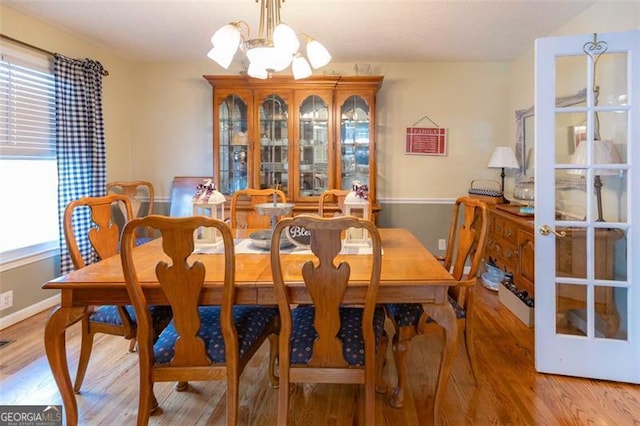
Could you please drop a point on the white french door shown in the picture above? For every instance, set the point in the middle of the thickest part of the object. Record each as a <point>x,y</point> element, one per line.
<point>587,191</point>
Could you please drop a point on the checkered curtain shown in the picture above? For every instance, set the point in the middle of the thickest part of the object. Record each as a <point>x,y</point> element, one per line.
<point>80,145</point>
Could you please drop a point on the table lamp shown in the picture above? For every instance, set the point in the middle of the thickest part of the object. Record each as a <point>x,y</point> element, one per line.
<point>604,152</point>
<point>503,158</point>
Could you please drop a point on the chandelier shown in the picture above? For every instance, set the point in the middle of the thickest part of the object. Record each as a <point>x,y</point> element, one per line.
<point>274,49</point>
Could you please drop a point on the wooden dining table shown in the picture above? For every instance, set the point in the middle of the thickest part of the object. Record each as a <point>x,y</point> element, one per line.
<point>410,274</point>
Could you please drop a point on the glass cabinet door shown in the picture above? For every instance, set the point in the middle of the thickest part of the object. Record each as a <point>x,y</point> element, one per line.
<point>313,146</point>
<point>354,138</point>
<point>274,143</point>
<point>234,144</point>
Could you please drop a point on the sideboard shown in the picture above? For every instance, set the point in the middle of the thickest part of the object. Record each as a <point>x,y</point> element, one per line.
<point>511,244</point>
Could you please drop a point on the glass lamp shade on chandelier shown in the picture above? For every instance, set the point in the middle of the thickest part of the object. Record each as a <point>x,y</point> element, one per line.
<point>274,49</point>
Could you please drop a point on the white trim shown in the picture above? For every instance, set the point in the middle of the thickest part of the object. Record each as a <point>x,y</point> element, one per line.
<point>389,200</point>
<point>15,258</point>
<point>385,200</point>
<point>417,200</point>
<point>29,311</point>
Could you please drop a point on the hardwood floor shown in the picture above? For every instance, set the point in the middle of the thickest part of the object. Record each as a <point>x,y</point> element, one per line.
<point>509,391</point>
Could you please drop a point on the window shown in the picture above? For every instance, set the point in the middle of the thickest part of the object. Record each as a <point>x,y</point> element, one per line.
<point>28,168</point>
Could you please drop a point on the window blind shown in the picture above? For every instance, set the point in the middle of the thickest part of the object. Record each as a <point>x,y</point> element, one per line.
<point>27,111</point>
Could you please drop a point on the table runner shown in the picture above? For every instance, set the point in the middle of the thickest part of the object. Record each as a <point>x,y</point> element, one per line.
<point>244,246</point>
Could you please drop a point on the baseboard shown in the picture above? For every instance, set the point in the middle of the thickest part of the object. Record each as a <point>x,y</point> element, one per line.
<point>29,311</point>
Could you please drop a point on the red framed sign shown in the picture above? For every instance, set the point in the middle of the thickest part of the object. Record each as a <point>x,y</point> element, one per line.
<point>426,141</point>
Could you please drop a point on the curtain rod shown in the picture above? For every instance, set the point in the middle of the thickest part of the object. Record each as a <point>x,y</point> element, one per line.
<point>39,49</point>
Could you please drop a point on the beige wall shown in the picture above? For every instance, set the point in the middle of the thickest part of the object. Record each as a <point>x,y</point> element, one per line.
<point>172,128</point>
<point>158,123</point>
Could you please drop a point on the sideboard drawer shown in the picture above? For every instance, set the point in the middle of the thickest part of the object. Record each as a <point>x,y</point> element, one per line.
<point>510,238</point>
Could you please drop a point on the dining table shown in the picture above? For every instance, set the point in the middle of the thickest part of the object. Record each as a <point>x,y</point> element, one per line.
<point>410,274</point>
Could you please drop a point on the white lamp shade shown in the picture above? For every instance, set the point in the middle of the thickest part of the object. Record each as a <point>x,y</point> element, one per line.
<point>604,152</point>
<point>503,157</point>
<point>269,58</point>
<point>318,55</point>
<point>285,38</point>
<point>227,38</point>
<point>256,72</point>
<point>300,67</point>
<point>221,56</point>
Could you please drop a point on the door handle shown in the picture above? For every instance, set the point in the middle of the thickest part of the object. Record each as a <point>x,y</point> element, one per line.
<point>546,230</point>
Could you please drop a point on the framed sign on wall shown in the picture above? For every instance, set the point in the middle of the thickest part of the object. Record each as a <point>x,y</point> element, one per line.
<point>426,140</point>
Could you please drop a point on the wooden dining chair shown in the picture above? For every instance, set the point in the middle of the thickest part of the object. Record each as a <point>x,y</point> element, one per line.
<point>251,218</point>
<point>137,191</point>
<point>104,238</point>
<point>329,198</point>
<point>328,341</point>
<point>201,342</point>
<point>467,240</point>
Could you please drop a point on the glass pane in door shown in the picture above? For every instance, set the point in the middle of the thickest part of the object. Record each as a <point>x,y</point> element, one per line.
<point>354,142</point>
<point>313,146</point>
<point>274,143</point>
<point>592,202</point>
<point>233,145</point>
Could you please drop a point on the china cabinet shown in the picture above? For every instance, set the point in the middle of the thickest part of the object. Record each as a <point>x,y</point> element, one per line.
<point>303,136</point>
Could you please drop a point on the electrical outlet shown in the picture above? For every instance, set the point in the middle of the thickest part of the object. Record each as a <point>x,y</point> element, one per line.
<point>6,300</point>
<point>442,244</point>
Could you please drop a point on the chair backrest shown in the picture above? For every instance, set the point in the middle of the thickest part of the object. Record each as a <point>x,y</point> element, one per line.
<point>104,235</point>
<point>326,283</point>
<point>181,282</point>
<point>467,241</point>
<point>251,218</point>
<point>336,196</point>
<point>183,188</point>
<point>137,191</point>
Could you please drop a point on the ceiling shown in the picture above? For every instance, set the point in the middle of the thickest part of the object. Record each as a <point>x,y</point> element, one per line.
<point>352,30</point>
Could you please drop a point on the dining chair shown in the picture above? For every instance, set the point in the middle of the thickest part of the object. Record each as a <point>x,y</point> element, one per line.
<point>201,342</point>
<point>328,341</point>
<point>251,218</point>
<point>137,191</point>
<point>335,196</point>
<point>466,243</point>
<point>104,239</point>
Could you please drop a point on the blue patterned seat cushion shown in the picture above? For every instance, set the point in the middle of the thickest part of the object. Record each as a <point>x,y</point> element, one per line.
<point>408,314</point>
<point>250,322</point>
<point>142,240</point>
<point>304,334</point>
<point>108,314</point>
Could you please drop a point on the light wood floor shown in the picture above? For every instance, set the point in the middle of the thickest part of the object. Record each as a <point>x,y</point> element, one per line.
<point>510,392</point>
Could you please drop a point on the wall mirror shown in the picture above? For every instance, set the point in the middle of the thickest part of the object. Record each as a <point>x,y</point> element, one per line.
<point>525,121</point>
